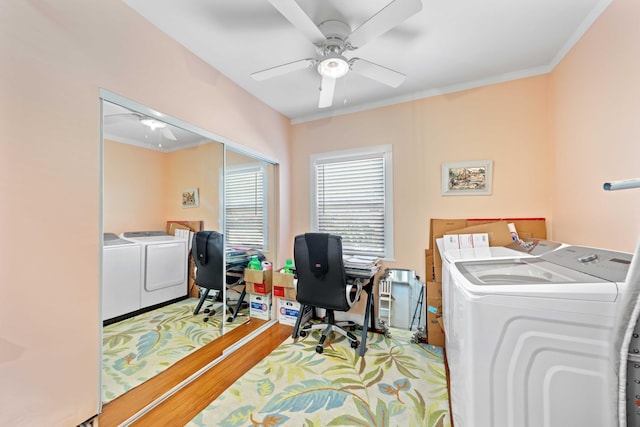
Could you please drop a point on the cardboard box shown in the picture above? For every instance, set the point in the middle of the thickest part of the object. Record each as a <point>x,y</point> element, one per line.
<point>438,228</point>
<point>526,228</point>
<point>259,288</point>
<point>260,306</point>
<point>434,289</point>
<point>258,276</point>
<point>435,330</point>
<point>499,234</point>
<point>282,292</point>
<point>289,310</point>
<point>428,253</point>
<point>283,280</point>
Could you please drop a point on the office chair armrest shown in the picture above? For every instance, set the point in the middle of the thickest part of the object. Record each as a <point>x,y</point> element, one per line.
<point>353,291</point>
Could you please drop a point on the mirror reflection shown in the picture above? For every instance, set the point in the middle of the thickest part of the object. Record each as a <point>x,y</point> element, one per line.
<point>162,184</point>
<point>250,201</point>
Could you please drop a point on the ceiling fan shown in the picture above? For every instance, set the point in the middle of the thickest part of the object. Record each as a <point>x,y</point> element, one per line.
<point>147,121</point>
<point>332,38</point>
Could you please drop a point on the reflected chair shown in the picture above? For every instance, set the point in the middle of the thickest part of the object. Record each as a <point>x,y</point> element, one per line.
<point>323,283</point>
<point>207,250</point>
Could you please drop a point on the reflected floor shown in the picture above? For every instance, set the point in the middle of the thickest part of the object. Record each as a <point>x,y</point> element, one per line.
<point>136,349</point>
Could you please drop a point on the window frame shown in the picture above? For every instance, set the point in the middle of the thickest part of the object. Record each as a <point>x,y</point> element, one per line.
<point>244,168</point>
<point>383,151</point>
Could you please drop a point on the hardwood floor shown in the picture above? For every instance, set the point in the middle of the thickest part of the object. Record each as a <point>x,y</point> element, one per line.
<point>180,408</point>
<point>204,389</point>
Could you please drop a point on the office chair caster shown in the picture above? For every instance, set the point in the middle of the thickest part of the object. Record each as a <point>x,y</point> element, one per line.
<point>354,344</point>
<point>230,319</point>
<point>303,334</point>
<point>319,349</point>
<point>206,319</point>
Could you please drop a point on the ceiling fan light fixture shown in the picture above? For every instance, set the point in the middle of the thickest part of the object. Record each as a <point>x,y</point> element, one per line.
<point>333,66</point>
<point>153,123</point>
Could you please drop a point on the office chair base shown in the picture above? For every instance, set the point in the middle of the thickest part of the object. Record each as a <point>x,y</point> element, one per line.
<point>329,328</point>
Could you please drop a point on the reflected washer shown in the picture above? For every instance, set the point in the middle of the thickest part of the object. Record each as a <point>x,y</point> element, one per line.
<point>121,276</point>
<point>163,266</point>
<point>531,337</point>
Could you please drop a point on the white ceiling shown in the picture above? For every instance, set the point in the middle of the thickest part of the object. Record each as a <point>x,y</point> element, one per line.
<point>449,45</point>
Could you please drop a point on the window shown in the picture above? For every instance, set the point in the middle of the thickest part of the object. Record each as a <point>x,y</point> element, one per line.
<point>351,196</point>
<point>245,207</point>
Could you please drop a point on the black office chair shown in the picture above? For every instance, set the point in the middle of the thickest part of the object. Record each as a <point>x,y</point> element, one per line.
<point>322,283</point>
<point>207,250</point>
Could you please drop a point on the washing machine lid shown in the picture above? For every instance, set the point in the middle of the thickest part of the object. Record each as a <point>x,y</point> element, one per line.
<point>534,277</point>
<point>148,236</point>
<point>112,239</point>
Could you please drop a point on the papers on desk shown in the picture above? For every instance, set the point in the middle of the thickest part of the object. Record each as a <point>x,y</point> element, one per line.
<point>238,258</point>
<point>360,265</point>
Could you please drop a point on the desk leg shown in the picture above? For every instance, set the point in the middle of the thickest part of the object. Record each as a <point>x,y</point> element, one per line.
<point>367,316</point>
<point>234,312</point>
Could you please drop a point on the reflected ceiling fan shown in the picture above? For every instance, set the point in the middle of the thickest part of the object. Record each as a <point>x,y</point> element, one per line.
<point>147,121</point>
<point>333,38</point>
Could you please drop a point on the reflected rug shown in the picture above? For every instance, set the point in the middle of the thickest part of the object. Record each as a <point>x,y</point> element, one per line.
<point>396,383</point>
<point>141,347</point>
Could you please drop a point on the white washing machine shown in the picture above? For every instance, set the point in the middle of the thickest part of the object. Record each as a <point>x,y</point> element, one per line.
<point>522,248</point>
<point>531,339</point>
<point>121,276</point>
<point>455,255</point>
<point>163,266</point>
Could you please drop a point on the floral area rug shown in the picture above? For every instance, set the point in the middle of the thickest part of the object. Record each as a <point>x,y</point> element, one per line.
<point>396,383</point>
<point>141,347</point>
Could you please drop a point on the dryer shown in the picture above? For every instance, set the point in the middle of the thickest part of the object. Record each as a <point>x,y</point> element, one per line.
<point>163,266</point>
<point>530,344</point>
<point>121,276</point>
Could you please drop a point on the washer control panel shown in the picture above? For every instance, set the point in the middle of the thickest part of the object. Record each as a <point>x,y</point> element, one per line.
<point>602,263</point>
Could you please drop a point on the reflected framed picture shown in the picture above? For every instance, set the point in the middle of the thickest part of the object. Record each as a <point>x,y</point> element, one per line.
<point>190,198</point>
<point>467,178</point>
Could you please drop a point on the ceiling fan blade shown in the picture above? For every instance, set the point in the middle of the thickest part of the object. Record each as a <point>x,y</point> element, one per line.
<point>388,17</point>
<point>327,88</point>
<point>291,10</point>
<point>282,69</point>
<point>166,132</point>
<point>377,72</point>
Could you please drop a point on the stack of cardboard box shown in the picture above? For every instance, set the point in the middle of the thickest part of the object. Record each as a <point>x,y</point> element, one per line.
<point>499,235</point>
<point>259,284</point>
<point>284,290</point>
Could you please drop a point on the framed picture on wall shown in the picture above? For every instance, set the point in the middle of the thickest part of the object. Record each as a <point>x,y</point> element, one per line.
<point>190,198</point>
<point>467,178</point>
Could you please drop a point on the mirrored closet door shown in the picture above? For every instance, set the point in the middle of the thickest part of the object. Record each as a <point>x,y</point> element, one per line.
<point>161,184</point>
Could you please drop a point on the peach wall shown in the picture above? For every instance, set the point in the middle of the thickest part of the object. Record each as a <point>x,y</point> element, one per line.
<point>199,167</point>
<point>506,123</point>
<point>135,188</point>
<point>55,57</point>
<point>142,187</point>
<point>596,133</point>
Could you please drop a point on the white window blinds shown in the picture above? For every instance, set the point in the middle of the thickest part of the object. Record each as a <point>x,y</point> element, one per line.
<point>245,209</point>
<point>351,201</point>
